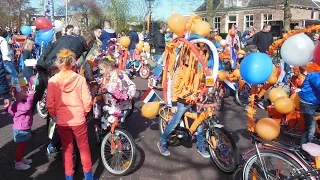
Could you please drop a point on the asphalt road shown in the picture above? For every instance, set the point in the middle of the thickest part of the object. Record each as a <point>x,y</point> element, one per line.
<point>184,163</point>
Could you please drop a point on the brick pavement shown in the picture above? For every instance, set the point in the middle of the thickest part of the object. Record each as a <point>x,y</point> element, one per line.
<point>183,164</point>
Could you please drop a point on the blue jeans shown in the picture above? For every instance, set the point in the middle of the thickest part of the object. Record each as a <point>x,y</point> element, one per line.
<point>308,111</point>
<point>131,53</point>
<point>9,67</point>
<point>158,68</point>
<point>182,108</point>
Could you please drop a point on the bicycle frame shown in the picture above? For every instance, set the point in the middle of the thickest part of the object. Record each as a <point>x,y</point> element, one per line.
<point>289,150</point>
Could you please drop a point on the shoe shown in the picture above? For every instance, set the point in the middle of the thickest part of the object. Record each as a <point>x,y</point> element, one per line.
<point>69,177</point>
<point>89,176</point>
<point>163,148</point>
<point>204,153</point>
<point>51,151</point>
<point>26,161</point>
<point>21,166</point>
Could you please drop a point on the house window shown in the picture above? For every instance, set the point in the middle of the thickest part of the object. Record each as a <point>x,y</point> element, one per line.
<point>232,3</point>
<point>204,19</point>
<point>248,20</point>
<point>217,23</point>
<point>232,20</point>
<point>266,19</point>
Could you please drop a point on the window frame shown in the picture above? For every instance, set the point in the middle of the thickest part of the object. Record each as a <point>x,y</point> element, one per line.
<point>267,21</point>
<point>245,21</point>
<point>214,24</point>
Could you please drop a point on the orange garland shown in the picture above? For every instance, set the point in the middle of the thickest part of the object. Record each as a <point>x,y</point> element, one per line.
<point>277,44</point>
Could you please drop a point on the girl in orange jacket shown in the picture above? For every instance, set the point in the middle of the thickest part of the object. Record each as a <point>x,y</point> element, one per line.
<point>69,100</point>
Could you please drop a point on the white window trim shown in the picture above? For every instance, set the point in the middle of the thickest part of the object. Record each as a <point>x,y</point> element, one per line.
<point>244,21</point>
<point>227,21</point>
<point>214,22</point>
<point>262,19</point>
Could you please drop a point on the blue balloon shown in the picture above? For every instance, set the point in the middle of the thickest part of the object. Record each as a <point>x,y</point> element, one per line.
<point>256,68</point>
<point>46,35</point>
<point>217,44</point>
<point>26,30</point>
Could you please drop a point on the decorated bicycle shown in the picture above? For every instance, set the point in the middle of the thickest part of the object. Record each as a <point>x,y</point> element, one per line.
<point>191,70</point>
<point>281,157</point>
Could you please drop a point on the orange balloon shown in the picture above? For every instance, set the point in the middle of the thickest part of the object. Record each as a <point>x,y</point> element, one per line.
<point>284,105</point>
<point>139,46</point>
<point>272,79</point>
<point>276,93</point>
<point>296,100</point>
<point>150,109</point>
<point>236,73</point>
<point>177,24</point>
<point>201,28</point>
<point>124,41</point>
<point>222,75</point>
<point>218,38</point>
<point>267,129</point>
<point>146,47</point>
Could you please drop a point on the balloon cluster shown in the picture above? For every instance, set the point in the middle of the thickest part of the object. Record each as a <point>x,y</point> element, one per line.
<point>143,46</point>
<point>46,32</point>
<point>178,25</point>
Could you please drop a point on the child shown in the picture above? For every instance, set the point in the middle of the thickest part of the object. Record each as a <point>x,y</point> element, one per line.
<point>241,54</point>
<point>28,72</point>
<point>22,122</point>
<point>120,86</point>
<point>226,64</point>
<point>69,100</point>
<point>309,103</point>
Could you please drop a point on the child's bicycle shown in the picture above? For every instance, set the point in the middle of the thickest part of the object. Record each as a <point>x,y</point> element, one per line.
<point>118,148</point>
<point>141,67</point>
<point>222,148</point>
<point>280,160</point>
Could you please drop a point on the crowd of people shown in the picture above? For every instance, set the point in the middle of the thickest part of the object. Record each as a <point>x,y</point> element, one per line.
<point>66,69</point>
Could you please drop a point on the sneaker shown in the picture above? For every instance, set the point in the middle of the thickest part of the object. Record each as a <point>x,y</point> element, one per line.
<point>163,149</point>
<point>27,161</point>
<point>21,166</point>
<point>203,152</point>
<point>51,151</point>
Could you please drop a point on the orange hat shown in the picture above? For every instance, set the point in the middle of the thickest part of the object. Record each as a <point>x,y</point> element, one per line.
<point>241,52</point>
<point>226,56</point>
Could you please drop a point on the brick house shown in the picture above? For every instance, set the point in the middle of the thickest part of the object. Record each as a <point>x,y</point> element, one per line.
<point>245,13</point>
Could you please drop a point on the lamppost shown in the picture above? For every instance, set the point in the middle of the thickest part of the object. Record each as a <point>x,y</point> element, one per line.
<point>149,5</point>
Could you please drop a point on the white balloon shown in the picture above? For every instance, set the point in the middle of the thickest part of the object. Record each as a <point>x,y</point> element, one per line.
<point>58,25</point>
<point>297,50</point>
<point>223,42</point>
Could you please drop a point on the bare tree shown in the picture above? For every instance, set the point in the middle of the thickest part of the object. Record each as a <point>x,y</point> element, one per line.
<point>211,12</point>
<point>88,10</point>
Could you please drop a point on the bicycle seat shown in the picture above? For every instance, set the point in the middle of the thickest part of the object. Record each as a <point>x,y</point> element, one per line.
<point>312,149</point>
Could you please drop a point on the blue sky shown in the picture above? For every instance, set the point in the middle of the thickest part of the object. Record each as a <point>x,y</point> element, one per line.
<point>162,11</point>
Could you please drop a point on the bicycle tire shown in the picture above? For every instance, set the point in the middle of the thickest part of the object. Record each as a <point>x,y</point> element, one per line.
<point>162,123</point>
<point>237,96</point>
<point>133,153</point>
<point>42,112</point>
<point>268,153</point>
<point>234,149</point>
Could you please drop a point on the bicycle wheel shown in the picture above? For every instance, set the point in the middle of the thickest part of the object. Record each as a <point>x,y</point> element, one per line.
<point>164,113</point>
<point>224,153</point>
<point>121,162</point>
<point>242,95</point>
<point>42,110</point>
<point>253,168</point>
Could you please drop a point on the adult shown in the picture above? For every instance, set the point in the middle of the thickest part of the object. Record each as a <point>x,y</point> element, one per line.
<point>76,32</point>
<point>69,30</point>
<point>316,38</point>
<point>46,63</point>
<point>134,39</point>
<point>247,36</point>
<point>107,34</point>
<point>6,57</point>
<point>159,46</point>
<point>4,86</point>
<point>263,39</point>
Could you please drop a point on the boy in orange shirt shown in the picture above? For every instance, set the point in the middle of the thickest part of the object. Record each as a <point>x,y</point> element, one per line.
<point>69,100</point>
